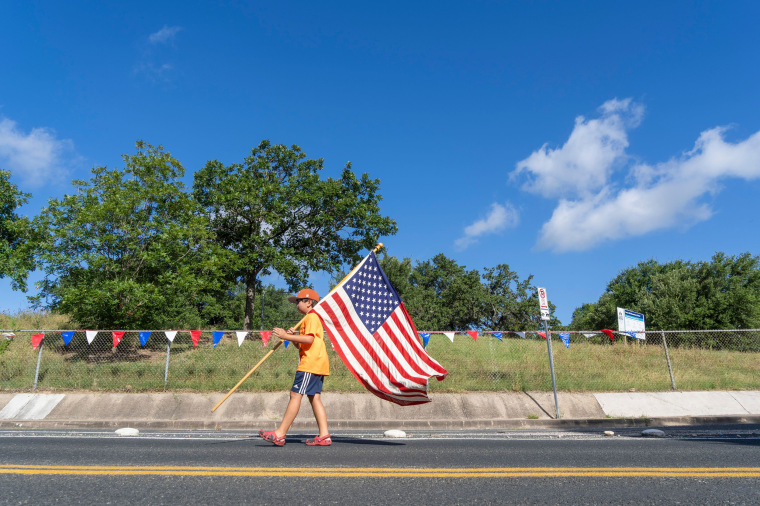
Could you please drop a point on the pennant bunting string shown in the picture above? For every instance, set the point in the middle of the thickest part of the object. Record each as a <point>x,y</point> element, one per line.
<point>67,337</point>
<point>117,335</point>
<point>36,340</point>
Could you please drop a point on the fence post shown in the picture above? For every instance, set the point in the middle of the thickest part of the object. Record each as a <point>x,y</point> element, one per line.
<point>166,370</point>
<point>667,357</point>
<point>551,365</point>
<point>37,371</point>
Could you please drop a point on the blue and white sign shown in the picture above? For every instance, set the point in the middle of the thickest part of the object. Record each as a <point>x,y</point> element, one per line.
<point>631,321</point>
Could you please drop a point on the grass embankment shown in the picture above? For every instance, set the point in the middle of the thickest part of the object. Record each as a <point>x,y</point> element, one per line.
<point>33,320</point>
<point>485,365</point>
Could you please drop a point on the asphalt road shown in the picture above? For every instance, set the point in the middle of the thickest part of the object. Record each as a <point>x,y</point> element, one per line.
<point>686,465</point>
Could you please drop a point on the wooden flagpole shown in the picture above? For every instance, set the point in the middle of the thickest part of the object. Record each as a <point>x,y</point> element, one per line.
<point>247,375</point>
<point>376,249</point>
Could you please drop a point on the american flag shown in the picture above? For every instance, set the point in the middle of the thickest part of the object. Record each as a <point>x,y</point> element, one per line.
<point>375,337</point>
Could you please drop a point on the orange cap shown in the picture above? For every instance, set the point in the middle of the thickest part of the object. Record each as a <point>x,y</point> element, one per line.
<point>306,293</point>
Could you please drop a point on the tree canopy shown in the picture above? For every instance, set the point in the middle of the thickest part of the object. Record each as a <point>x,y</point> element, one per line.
<point>129,249</point>
<point>723,293</point>
<point>273,212</point>
<point>440,294</point>
<point>16,258</point>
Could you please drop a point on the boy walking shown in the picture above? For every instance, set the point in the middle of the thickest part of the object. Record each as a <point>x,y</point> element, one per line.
<point>312,368</point>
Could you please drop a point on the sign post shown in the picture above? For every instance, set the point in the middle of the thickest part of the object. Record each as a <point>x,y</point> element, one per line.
<point>543,304</point>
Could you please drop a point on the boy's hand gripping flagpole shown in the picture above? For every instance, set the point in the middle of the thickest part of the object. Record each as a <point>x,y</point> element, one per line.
<point>377,248</point>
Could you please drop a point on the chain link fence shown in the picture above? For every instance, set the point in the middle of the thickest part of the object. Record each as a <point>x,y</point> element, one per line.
<point>583,361</point>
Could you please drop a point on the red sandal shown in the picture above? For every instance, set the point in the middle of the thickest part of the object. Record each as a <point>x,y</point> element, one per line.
<point>272,437</point>
<point>319,441</point>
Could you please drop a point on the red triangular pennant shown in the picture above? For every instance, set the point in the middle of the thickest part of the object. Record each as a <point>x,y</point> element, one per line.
<point>265,336</point>
<point>542,334</point>
<point>473,334</point>
<point>609,334</point>
<point>36,340</point>
<point>196,335</point>
<point>117,337</point>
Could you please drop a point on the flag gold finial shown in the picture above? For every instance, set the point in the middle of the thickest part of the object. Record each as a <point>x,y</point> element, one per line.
<point>377,248</point>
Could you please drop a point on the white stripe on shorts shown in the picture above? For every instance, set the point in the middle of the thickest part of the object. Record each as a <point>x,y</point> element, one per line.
<point>305,383</point>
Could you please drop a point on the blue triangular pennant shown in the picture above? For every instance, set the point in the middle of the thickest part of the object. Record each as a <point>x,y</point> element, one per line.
<point>565,336</point>
<point>144,335</point>
<point>425,338</point>
<point>498,335</point>
<point>217,336</point>
<point>286,344</point>
<point>67,337</point>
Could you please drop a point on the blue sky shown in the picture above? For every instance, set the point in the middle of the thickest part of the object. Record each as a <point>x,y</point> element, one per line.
<point>569,140</point>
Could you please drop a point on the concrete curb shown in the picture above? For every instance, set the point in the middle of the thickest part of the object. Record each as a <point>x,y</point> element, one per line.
<point>362,411</point>
<point>382,425</point>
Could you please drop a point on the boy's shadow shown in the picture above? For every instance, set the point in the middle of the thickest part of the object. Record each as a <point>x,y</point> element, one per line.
<point>300,438</point>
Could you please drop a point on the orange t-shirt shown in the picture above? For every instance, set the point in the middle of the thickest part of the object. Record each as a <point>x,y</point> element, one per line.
<point>313,356</point>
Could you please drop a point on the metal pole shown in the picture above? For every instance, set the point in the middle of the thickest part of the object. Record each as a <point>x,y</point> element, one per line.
<point>166,371</point>
<point>261,323</point>
<point>551,365</point>
<point>667,357</point>
<point>37,372</point>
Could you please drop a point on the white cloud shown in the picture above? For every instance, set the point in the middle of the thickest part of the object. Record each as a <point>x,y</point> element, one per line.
<point>37,157</point>
<point>164,35</point>
<point>499,218</point>
<point>585,162</point>
<point>152,62</point>
<point>155,72</point>
<point>665,195</point>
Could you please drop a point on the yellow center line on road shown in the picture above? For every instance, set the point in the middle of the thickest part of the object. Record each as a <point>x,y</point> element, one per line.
<point>385,472</point>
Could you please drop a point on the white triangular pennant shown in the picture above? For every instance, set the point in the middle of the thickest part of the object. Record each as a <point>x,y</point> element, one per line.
<point>241,337</point>
<point>521,334</point>
<point>589,335</point>
<point>170,335</point>
<point>90,335</point>
<point>450,335</point>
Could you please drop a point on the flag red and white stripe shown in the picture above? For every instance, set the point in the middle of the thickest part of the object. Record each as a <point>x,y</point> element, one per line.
<point>375,337</point>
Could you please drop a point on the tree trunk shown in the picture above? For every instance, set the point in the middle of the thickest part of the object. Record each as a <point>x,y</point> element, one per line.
<point>250,298</point>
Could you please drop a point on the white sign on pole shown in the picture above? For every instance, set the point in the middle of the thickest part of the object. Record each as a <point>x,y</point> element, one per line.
<point>631,321</point>
<point>543,303</point>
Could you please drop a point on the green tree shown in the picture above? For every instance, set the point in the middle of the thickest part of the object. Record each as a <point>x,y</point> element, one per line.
<point>729,292</point>
<point>443,295</point>
<point>721,294</point>
<point>16,242</point>
<point>129,248</point>
<point>274,213</point>
<point>670,300</point>
<point>225,310</point>
<point>511,304</point>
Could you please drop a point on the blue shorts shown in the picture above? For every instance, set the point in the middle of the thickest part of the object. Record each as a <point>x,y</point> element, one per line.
<point>307,383</point>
